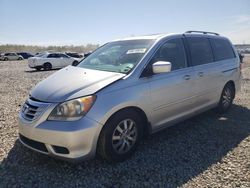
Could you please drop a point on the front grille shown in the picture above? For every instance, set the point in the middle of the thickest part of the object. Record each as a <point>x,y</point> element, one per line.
<point>32,109</point>
<point>34,144</point>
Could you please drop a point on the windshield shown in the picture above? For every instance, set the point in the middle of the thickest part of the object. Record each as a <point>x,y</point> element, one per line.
<point>120,56</point>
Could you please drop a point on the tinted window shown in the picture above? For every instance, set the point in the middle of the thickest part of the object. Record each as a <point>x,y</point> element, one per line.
<point>63,55</point>
<point>10,54</point>
<point>222,49</point>
<point>173,52</point>
<point>53,56</point>
<point>200,49</point>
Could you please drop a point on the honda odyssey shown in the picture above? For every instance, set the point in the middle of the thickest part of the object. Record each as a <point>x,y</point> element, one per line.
<point>128,88</point>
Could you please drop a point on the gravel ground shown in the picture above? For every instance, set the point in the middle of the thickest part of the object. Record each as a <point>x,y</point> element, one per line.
<point>206,151</point>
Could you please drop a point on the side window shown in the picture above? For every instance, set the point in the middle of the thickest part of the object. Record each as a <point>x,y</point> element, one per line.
<point>172,51</point>
<point>57,56</point>
<point>222,49</point>
<point>52,56</point>
<point>200,49</point>
<point>63,55</point>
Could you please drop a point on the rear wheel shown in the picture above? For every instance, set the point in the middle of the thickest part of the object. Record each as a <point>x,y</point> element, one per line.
<point>120,136</point>
<point>5,59</point>
<point>226,99</point>
<point>47,66</point>
<point>75,63</point>
<point>20,58</point>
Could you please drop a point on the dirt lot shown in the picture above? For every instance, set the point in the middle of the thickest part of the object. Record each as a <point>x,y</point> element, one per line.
<point>206,151</point>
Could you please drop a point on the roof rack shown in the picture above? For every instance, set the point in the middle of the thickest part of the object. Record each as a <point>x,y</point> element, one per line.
<point>204,32</point>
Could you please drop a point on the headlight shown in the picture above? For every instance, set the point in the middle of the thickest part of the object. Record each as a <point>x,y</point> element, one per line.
<point>72,110</point>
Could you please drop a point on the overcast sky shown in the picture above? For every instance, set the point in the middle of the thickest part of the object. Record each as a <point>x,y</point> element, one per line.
<point>78,22</point>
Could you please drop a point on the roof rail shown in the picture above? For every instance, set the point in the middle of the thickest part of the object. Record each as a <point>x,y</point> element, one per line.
<point>204,32</point>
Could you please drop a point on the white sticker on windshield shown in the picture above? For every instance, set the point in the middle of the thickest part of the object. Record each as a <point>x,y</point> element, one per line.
<point>137,51</point>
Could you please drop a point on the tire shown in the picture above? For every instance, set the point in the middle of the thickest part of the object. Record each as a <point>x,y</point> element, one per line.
<point>75,63</point>
<point>38,68</point>
<point>20,58</point>
<point>5,59</point>
<point>47,66</point>
<point>116,143</point>
<point>226,99</point>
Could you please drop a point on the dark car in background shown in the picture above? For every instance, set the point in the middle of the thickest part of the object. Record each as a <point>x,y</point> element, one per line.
<point>77,56</point>
<point>74,54</point>
<point>25,55</point>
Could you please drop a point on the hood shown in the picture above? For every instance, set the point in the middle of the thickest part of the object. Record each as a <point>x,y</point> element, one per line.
<point>72,82</point>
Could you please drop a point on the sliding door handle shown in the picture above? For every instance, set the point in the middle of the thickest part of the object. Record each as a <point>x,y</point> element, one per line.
<point>201,74</point>
<point>186,77</point>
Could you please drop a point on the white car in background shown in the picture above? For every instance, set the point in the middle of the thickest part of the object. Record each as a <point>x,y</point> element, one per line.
<point>50,61</point>
<point>10,56</point>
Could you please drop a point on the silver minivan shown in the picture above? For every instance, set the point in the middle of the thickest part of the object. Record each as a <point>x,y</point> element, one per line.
<point>126,89</point>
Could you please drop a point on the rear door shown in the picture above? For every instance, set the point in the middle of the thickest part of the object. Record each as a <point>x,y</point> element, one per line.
<point>207,72</point>
<point>12,56</point>
<point>51,58</point>
<point>172,92</point>
<point>66,60</point>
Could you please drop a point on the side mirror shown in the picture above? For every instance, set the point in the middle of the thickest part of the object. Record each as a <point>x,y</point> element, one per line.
<point>161,67</point>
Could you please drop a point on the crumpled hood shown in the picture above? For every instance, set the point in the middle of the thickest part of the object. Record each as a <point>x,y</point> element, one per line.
<point>72,82</point>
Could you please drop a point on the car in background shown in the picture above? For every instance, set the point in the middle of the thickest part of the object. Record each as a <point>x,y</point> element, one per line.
<point>10,56</point>
<point>241,56</point>
<point>50,61</point>
<point>75,55</point>
<point>25,55</point>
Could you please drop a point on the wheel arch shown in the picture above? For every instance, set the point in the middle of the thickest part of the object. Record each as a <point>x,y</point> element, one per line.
<point>231,82</point>
<point>140,112</point>
<point>47,63</point>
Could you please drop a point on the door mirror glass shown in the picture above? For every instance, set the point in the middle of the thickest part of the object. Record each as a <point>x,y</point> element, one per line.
<point>161,67</point>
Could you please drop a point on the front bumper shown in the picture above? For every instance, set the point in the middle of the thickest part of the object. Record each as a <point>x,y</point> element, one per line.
<point>72,141</point>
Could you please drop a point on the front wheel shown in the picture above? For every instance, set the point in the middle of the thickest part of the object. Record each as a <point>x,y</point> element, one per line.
<point>120,136</point>
<point>47,66</point>
<point>5,59</point>
<point>226,99</point>
<point>20,58</point>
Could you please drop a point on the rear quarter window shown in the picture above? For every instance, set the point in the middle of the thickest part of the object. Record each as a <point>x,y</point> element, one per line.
<point>222,49</point>
<point>50,55</point>
<point>200,49</point>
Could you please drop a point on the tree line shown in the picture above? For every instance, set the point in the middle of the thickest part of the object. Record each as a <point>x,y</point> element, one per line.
<point>35,49</point>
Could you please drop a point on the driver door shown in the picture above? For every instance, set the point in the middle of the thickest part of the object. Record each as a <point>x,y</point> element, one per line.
<point>172,92</point>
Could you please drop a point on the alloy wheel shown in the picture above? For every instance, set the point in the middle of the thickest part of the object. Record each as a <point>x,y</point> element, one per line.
<point>124,136</point>
<point>226,97</point>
